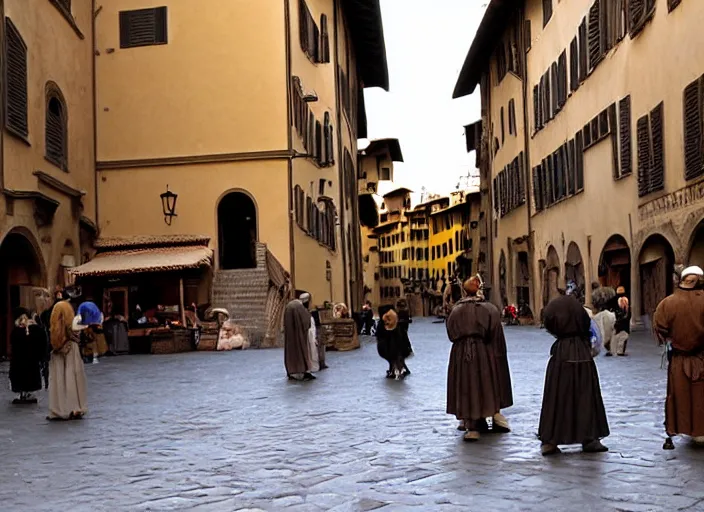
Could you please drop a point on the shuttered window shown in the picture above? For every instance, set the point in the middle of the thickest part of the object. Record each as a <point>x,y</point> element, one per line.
<point>693,158</point>
<point>143,27</point>
<point>537,189</point>
<point>512,117</point>
<point>624,131</point>
<point>536,108</point>
<point>562,80</point>
<point>503,134</point>
<point>56,128</point>
<point>554,88</point>
<point>583,50</point>
<point>651,158</point>
<point>639,13</point>
<point>329,158</point>
<point>547,11</point>
<point>595,49</point>
<point>309,32</point>
<point>672,4</point>
<point>16,80</point>
<point>574,64</point>
<point>579,161</point>
<point>614,131</point>
<point>324,40</point>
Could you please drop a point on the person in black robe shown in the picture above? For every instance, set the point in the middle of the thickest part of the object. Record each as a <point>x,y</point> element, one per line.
<point>573,410</point>
<point>28,342</point>
<point>393,345</point>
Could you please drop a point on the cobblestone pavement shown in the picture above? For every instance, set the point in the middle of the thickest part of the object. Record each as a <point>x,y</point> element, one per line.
<point>227,431</point>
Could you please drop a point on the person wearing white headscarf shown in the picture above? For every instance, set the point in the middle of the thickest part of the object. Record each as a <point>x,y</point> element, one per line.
<point>679,322</point>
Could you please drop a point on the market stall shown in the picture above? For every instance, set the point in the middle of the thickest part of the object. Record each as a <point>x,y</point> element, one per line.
<point>148,282</point>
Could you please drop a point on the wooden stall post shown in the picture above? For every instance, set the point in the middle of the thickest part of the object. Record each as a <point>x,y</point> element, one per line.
<point>181,302</point>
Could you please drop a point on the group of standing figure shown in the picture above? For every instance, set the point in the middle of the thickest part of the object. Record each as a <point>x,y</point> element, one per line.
<point>48,346</point>
<point>479,381</point>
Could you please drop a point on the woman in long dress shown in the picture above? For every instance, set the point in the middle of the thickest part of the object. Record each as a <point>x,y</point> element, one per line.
<point>573,410</point>
<point>67,389</point>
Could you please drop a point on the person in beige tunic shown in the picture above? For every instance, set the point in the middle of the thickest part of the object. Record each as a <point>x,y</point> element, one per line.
<point>67,378</point>
<point>679,321</point>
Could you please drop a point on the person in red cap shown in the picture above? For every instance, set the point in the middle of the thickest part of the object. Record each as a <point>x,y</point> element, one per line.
<point>679,322</point>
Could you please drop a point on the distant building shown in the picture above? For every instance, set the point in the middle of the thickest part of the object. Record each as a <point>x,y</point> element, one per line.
<point>590,145</point>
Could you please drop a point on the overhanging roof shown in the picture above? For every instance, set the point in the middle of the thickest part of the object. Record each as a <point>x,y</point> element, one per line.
<point>367,32</point>
<point>393,146</point>
<point>160,259</point>
<point>494,22</point>
<point>398,192</point>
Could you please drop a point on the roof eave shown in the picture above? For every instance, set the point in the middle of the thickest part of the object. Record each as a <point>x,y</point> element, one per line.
<point>367,33</point>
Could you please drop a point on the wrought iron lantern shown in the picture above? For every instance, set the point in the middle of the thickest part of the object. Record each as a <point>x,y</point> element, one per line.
<point>168,204</point>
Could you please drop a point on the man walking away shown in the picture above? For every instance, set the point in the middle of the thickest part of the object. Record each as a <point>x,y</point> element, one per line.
<point>297,354</point>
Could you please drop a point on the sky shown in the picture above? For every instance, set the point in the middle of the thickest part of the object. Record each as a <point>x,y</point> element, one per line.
<point>426,48</point>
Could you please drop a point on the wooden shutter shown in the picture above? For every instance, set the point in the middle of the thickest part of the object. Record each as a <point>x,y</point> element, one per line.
<point>143,27</point>
<point>537,189</point>
<point>562,79</point>
<point>579,161</point>
<point>574,65</point>
<point>583,50</point>
<point>613,123</point>
<point>672,4</point>
<point>16,80</point>
<point>693,165</point>
<point>595,48</point>
<point>55,131</point>
<point>657,128</point>
<point>639,13</point>
<point>569,166</point>
<point>521,179</point>
<point>545,182</point>
<point>644,156</point>
<point>554,90</point>
<point>624,130</point>
<point>496,197</point>
<point>549,191</point>
<point>503,133</point>
<point>528,36</point>
<point>324,40</point>
<point>536,109</point>
<point>547,11</point>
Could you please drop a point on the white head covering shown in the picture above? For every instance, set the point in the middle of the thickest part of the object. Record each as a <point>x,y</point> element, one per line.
<point>692,271</point>
<point>305,297</point>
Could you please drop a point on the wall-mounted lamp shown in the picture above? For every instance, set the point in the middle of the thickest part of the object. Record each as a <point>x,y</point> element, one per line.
<point>168,204</point>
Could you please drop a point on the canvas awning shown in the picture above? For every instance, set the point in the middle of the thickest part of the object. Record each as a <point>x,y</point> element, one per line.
<point>155,259</point>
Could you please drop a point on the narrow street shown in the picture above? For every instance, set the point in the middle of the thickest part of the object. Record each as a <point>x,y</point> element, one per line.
<point>227,431</point>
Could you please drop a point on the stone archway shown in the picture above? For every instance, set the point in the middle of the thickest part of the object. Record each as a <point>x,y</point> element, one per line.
<point>615,264</point>
<point>551,277</point>
<point>21,269</point>
<point>657,265</point>
<point>237,231</point>
<point>695,254</point>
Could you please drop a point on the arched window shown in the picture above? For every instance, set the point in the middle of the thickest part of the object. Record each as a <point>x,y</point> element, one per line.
<point>56,127</point>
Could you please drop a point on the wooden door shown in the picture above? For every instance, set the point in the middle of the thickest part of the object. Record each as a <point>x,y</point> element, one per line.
<point>654,281</point>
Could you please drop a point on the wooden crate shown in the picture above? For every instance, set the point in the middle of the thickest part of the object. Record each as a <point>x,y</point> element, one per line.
<point>340,334</point>
<point>172,342</point>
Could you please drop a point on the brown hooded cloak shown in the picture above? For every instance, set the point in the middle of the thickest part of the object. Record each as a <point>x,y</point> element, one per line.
<point>474,388</point>
<point>297,321</point>
<point>680,319</point>
<point>573,410</point>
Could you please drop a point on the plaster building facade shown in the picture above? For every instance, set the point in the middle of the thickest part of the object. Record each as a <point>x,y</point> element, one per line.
<point>591,138</point>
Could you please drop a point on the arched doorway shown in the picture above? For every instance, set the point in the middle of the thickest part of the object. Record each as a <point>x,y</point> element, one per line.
<point>574,269</point>
<point>615,264</point>
<point>696,250</point>
<point>21,269</point>
<point>237,231</point>
<point>502,279</point>
<point>657,265</point>
<point>551,276</point>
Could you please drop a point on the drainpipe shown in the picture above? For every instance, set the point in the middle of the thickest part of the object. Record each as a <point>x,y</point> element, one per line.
<point>94,51</point>
<point>289,133</point>
<point>526,153</point>
<point>340,153</point>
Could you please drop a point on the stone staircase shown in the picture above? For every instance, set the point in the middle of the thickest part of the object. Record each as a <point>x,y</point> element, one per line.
<point>254,298</point>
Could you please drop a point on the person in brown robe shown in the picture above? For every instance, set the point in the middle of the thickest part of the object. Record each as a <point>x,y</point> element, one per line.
<point>573,410</point>
<point>474,390</point>
<point>297,357</point>
<point>679,319</point>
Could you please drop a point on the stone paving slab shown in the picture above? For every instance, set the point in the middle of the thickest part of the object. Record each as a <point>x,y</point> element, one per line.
<point>227,431</point>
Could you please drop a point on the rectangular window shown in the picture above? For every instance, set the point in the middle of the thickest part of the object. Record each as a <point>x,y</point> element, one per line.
<point>16,81</point>
<point>693,133</point>
<point>450,247</point>
<point>547,11</point>
<point>143,27</point>
<point>583,50</point>
<point>651,161</point>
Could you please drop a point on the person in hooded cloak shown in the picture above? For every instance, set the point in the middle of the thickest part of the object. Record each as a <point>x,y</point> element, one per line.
<point>298,356</point>
<point>28,342</point>
<point>679,322</point>
<point>573,410</point>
